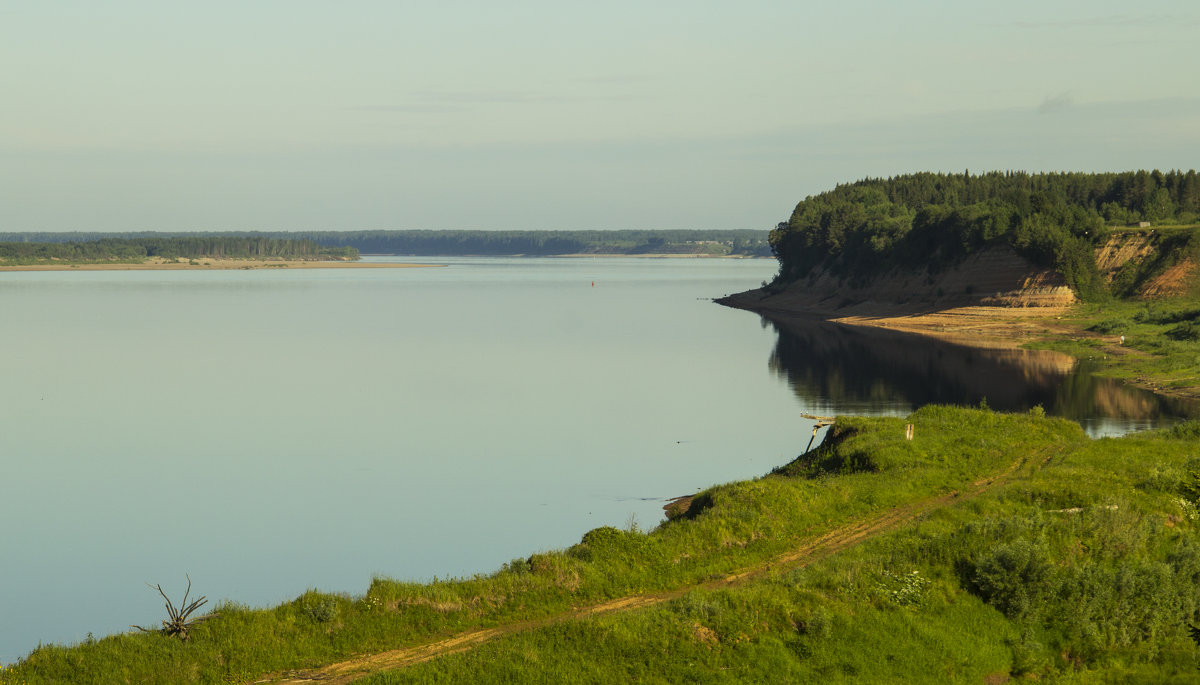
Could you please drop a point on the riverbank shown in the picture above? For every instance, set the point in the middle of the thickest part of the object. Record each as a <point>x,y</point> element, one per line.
<point>1142,353</point>
<point>951,545</point>
<point>985,327</point>
<point>207,263</point>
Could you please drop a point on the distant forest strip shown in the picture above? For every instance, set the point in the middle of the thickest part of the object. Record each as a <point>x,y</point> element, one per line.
<point>136,250</point>
<point>933,221</point>
<point>747,243</point>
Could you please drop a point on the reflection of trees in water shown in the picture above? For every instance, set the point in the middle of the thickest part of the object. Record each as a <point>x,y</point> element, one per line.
<point>1083,395</point>
<point>852,367</point>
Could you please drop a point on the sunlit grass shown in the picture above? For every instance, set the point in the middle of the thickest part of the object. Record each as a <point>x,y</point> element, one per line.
<point>932,601</point>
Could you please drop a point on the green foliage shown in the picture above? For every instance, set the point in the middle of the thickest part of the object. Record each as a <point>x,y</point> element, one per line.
<point>318,607</point>
<point>1188,330</point>
<point>1158,314</point>
<point>1114,325</point>
<point>1189,430</point>
<point>1013,577</point>
<point>905,590</point>
<point>935,220</point>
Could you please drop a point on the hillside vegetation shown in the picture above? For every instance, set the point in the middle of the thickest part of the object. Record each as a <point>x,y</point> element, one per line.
<point>987,547</point>
<point>931,222</point>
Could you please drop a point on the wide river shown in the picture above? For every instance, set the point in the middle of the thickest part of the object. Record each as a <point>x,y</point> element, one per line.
<point>271,431</point>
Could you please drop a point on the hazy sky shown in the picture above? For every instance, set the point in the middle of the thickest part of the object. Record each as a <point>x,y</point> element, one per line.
<point>273,115</point>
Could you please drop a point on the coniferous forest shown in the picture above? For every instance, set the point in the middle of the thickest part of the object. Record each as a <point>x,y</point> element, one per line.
<point>934,220</point>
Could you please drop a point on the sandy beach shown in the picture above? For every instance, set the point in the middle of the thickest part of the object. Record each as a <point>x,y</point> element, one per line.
<point>975,326</point>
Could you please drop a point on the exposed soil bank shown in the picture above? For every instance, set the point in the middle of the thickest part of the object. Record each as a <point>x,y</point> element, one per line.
<point>982,326</point>
<point>995,299</point>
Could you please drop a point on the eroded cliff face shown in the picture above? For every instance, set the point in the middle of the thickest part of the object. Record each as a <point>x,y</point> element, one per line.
<point>1174,281</point>
<point>996,277</point>
<point>1141,246</point>
<point>1121,248</point>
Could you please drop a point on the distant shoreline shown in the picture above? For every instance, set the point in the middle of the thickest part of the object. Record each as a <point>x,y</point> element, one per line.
<point>580,255</point>
<point>209,264</point>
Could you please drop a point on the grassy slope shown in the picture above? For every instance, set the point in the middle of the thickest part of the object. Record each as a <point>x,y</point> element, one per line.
<point>1087,570</point>
<point>1003,582</point>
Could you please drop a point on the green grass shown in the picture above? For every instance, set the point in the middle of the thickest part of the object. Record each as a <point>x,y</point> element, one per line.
<point>1161,347</point>
<point>1085,570</point>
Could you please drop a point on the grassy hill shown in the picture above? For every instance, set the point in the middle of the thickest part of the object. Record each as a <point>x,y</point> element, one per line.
<point>987,547</point>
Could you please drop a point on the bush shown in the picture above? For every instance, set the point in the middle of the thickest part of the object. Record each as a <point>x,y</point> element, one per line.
<point>317,607</point>
<point>1188,331</point>
<point>1110,326</point>
<point>1013,577</point>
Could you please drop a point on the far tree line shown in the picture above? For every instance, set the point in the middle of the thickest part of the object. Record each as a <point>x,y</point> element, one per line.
<point>464,242</point>
<point>108,249</point>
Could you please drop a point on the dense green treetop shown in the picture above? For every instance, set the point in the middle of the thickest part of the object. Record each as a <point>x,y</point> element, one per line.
<point>934,220</point>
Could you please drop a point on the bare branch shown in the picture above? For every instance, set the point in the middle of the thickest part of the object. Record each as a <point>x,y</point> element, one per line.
<point>178,622</point>
<point>189,589</point>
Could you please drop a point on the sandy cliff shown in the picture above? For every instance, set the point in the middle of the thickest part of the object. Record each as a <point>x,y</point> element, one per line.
<point>994,278</point>
<point>1144,246</point>
<point>997,278</point>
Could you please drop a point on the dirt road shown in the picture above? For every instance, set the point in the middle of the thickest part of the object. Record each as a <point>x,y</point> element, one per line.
<point>807,552</point>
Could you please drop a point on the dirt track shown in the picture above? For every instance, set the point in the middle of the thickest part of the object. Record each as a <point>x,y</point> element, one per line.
<point>808,552</point>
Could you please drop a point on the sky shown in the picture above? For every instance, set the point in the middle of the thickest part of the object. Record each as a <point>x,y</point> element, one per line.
<point>367,114</point>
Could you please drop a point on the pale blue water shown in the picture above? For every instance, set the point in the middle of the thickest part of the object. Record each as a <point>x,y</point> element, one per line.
<point>268,431</point>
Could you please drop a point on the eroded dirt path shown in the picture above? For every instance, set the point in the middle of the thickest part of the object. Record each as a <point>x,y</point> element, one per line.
<point>808,552</point>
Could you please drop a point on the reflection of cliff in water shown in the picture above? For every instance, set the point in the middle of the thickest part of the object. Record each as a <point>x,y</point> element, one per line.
<point>850,369</point>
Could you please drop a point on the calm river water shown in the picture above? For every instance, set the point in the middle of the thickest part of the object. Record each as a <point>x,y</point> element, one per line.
<point>268,432</point>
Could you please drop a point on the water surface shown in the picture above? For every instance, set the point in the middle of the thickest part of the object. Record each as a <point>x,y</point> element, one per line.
<point>862,370</point>
<point>270,431</point>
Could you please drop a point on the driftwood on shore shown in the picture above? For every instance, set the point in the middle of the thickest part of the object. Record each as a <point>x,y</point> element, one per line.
<point>178,622</point>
